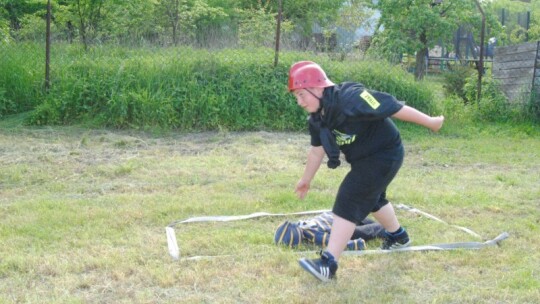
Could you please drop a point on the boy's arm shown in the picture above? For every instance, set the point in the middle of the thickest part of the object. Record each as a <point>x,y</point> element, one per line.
<point>410,114</point>
<point>314,159</point>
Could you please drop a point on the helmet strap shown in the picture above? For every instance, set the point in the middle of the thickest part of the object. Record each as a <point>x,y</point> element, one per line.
<point>319,98</point>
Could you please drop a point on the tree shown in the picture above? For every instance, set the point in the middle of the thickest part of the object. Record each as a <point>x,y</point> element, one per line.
<point>257,24</point>
<point>353,15</point>
<point>15,12</point>
<point>184,15</point>
<point>413,26</point>
<point>139,16</point>
<point>89,15</point>
<point>508,13</point>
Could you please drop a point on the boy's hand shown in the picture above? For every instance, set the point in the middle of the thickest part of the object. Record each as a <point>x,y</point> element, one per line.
<point>302,188</point>
<point>436,123</point>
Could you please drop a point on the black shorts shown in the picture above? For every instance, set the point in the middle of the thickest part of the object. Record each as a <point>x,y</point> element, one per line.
<point>363,190</point>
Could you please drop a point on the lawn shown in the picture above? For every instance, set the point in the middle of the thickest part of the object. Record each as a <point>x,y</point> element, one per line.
<point>83,215</point>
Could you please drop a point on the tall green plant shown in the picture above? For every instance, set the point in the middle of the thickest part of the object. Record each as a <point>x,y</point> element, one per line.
<point>455,81</point>
<point>21,77</point>
<point>493,105</point>
<point>532,106</point>
<point>182,88</point>
<point>5,37</point>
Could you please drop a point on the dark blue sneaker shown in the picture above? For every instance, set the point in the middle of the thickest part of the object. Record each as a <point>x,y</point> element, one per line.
<point>323,269</point>
<point>396,241</point>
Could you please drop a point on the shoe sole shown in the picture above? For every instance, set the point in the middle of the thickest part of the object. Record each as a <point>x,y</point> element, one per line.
<point>307,266</point>
<point>399,246</point>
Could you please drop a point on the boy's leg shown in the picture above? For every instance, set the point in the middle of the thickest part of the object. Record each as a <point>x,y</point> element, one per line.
<point>369,231</point>
<point>386,216</point>
<point>396,236</point>
<point>342,230</point>
<point>325,267</point>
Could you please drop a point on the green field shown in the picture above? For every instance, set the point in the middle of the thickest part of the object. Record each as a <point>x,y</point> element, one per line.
<point>83,214</point>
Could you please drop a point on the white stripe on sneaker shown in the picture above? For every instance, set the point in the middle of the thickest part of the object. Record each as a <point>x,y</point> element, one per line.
<point>308,266</point>
<point>398,245</point>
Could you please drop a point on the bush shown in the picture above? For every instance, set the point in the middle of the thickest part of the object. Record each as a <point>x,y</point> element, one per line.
<point>531,110</point>
<point>493,105</point>
<point>46,113</point>
<point>171,88</point>
<point>6,105</point>
<point>453,108</point>
<point>455,80</point>
<point>193,89</point>
<point>21,77</point>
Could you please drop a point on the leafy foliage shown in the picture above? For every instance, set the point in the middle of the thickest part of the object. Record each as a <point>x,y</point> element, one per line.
<point>511,30</point>
<point>256,25</point>
<point>183,16</point>
<point>413,27</point>
<point>455,80</point>
<point>164,21</point>
<point>20,78</point>
<point>493,105</point>
<point>5,37</point>
<point>532,106</point>
<point>184,88</point>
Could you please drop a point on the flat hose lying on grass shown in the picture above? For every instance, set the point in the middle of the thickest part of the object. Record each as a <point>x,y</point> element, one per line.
<point>174,250</point>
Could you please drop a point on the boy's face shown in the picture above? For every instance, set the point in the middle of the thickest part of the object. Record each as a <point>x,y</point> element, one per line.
<point>306,100</point>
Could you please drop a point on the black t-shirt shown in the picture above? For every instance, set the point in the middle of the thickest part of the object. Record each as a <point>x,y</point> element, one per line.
<point>359,122</point>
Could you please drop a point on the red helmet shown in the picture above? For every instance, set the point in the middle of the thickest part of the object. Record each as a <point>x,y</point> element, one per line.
<point>307,74</point>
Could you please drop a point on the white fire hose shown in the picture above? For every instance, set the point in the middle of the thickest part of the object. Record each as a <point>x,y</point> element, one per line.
<point>174,250</point>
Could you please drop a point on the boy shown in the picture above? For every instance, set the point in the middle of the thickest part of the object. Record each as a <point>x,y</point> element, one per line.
<point>350,119</point>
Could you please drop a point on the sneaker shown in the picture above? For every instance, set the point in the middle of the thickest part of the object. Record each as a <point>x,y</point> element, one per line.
<point>392,242</point>
<point>323,269</point>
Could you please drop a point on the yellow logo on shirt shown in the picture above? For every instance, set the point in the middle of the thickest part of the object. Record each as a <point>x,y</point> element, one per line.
<point>370,99</point>
<point>343,139</point>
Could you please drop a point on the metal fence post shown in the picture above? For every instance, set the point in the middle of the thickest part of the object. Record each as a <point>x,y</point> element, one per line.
<point>278,32</point>
<point>481,60</point>
<point>48,48</point>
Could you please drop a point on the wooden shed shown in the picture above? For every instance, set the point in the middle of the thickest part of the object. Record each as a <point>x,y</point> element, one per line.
<point>517,68</point>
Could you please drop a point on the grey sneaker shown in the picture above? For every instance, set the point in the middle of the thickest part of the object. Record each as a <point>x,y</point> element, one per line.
<point>392,242</point>
<point>323,269</point>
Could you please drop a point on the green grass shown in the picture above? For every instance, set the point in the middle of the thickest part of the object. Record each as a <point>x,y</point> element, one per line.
<point>83,214</point>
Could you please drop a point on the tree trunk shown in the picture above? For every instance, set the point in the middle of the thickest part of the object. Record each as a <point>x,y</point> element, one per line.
<point>174,17</point>
<point>82,24</point>
<point>174,35</point>
<point>422,58</point>
<point>70,31</point>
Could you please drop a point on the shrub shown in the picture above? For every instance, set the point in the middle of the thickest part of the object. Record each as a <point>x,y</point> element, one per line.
<point>47,113</point>
<point>493,105</point>
<point>531,109</point>
<point>6,105</point>
<point>21,77</point>
<point>453,108</point>
<point>455,80</point>
<point>192,89</point>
